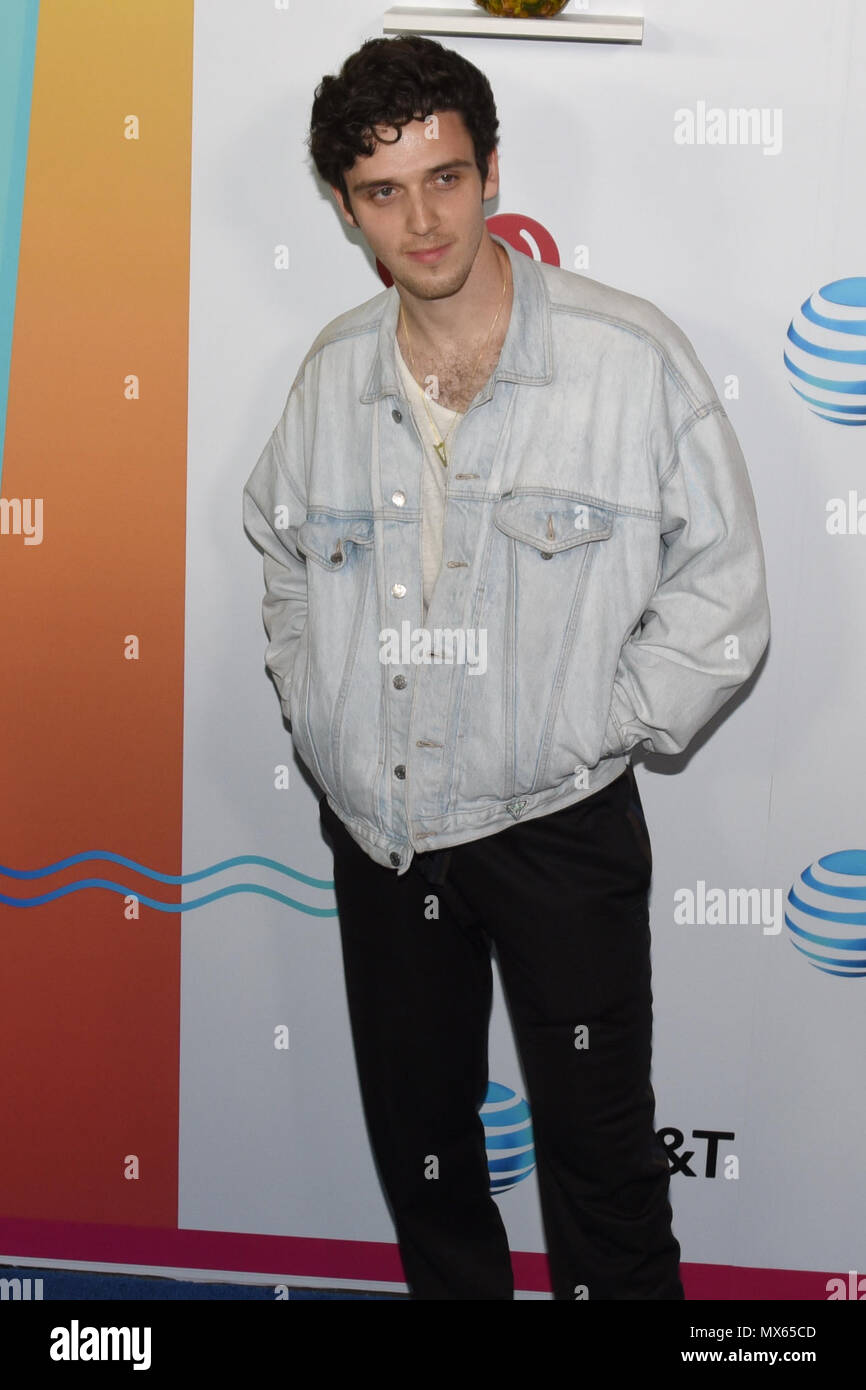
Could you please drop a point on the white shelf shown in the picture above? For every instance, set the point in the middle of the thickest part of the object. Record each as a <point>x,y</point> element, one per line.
<point>575,28</point>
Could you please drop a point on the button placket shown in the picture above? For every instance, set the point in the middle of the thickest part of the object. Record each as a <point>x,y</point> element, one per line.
<point>399,496</point>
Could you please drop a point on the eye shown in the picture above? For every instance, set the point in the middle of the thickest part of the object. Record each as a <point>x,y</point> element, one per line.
<point>386,188</point>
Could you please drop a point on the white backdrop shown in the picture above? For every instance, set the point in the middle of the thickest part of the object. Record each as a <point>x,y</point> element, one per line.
<point>729,240</point>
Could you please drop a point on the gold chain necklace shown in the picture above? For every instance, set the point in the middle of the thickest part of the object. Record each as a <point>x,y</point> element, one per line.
<point>440,447</point>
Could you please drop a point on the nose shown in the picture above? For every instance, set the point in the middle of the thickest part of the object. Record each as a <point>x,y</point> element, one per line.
<point>421,217</point>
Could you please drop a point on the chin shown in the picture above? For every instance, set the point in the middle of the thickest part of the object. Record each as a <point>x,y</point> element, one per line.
<point>432,286</point>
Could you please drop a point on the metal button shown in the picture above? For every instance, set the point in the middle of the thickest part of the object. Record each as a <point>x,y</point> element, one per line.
<point>399,682</point>
<point>396,416</point>
<point>546,555</point>
<point>398,590</point>
<point>395,859</point>
<point>400,771</point>
<point>337,557</point>
<point>398,498</point>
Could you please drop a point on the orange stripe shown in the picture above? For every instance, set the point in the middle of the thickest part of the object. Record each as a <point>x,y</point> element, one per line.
<point>92,752</point>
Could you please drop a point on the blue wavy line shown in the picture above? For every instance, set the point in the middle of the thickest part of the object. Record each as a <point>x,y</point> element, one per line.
<point>168,907</point>
<point>86,855</point>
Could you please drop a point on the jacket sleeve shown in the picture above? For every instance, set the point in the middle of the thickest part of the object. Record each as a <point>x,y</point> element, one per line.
<point>273,510</point>
<point>708,621</point>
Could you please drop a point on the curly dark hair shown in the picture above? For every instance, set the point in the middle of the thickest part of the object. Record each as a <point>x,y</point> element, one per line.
<point>389,82</point>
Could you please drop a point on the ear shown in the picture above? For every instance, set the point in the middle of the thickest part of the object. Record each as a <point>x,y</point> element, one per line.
<point>491,184</point>
<point>341,203</point>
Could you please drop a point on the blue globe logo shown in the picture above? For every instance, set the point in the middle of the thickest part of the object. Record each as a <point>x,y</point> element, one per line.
<point>826,914</point>
<point>826,353</point>
<point>508,1137</point>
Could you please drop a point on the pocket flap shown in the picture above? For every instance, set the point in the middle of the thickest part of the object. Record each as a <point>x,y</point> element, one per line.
<point>328,539</point>
<point>550,523</point>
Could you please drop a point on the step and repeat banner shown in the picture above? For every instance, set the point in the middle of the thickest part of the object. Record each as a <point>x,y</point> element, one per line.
<point>178,1089</point>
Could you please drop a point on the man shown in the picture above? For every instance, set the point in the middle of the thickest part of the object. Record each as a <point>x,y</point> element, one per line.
<point>535,467</point>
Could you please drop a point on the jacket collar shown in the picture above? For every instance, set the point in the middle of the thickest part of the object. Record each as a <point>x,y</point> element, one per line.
<point>525,357</point>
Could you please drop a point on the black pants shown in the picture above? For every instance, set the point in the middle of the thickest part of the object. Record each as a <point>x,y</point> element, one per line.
<point>564,900</point>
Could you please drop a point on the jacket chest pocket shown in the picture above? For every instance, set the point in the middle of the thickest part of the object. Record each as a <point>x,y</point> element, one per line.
<point>552,526</point>
<point>552,542</point>
<point>336,542</point>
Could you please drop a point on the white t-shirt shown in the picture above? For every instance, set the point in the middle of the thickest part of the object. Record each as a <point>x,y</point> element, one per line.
<point>434,475</point>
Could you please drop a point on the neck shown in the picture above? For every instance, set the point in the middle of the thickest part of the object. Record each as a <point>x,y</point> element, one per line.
<point>456,318</point>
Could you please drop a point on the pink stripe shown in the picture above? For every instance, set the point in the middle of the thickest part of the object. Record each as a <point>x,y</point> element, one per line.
<point>703,1282</point>
<point>371,1261</point>
<point>148,1245</point>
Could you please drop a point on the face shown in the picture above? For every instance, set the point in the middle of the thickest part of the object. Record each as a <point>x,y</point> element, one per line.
<point>422,193</point>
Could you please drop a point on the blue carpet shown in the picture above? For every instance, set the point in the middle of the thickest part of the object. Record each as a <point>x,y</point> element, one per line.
<point>61,1285</point>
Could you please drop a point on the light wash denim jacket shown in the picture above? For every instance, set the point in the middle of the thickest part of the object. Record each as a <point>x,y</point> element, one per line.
<point>602,581</point>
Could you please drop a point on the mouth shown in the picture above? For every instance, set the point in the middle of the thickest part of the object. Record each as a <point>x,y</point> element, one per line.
<point>429,256</point>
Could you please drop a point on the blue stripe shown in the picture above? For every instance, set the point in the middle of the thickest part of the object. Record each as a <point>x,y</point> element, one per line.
<point>504,1184</point>
<point>519,1139</point>
<point>514,1114</point>
<point>833,890</point>
<point>831,354</point>
<point>18,24</point>
<point>850,291</point>
<point>856,327</point>
<point>833,419</point>
<point>846,919</point>
<point>831,960</point>
<point>837,943</point>
<point>847,974</point>
<point>510,1167</point>
<point>495,1091</point>
<point>848,388</point>
<point>845,861</point>
<point>832,405</point>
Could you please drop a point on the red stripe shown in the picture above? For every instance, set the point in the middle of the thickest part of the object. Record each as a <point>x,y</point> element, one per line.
<point>365,1261</point>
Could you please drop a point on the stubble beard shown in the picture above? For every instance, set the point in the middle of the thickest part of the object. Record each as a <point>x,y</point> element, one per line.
<point>431,285</point>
